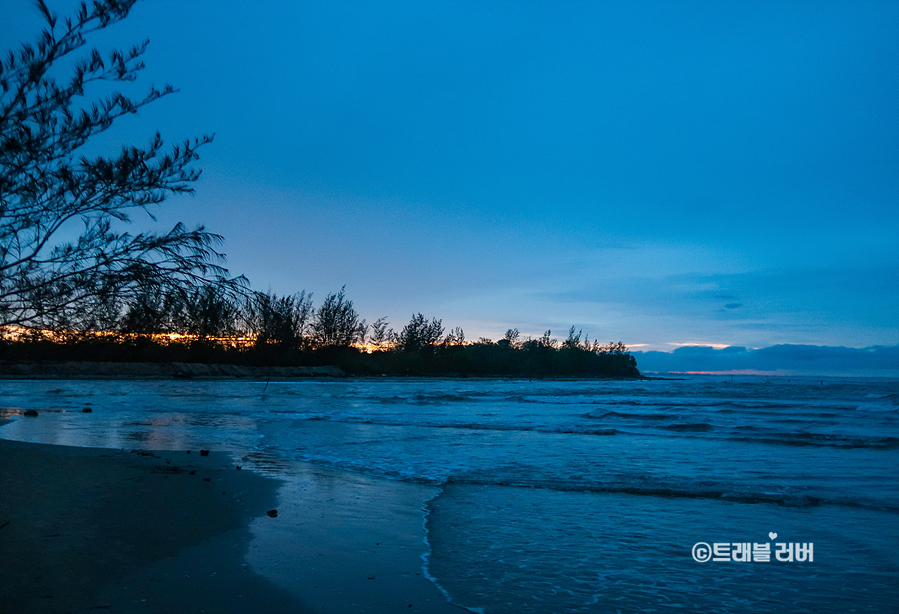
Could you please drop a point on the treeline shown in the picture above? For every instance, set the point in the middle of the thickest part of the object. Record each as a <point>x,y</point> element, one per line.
<point>214,324</point>
<point>103,294</point>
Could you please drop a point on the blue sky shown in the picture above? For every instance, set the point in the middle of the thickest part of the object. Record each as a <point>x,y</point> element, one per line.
<point>662,173</point>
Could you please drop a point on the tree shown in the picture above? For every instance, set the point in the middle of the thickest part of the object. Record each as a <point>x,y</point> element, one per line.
<point>617,347</point>
<point>208,312</point>
<point>150,313</point>
<point>419,334</point>
<point>547,341</point>
<point>336,323</point>
<point>574,340</point>
<point>381,337</point>
<point>282,321</point>
<point>510,339</point>
<point>455,337</point>
<point>48,189</point>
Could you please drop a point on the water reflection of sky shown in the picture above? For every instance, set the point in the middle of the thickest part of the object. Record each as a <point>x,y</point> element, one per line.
<point>131,429</point>
<point>164,415</point>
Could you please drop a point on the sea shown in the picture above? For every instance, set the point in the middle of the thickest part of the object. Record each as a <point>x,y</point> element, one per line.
<point>699,494</point>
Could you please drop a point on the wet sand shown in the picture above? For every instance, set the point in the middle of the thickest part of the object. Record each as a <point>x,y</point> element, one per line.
<point>96,530</point>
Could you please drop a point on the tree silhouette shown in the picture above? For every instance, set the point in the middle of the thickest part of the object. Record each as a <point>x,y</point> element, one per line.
<point>150,313</point>
<point>208,312</point>
<point>419,334</point>
<point>381,337</point>
<point>574,339</point>
<point>336,322</point>
<point>455,337</point>
<point>283,321</point>
<point>510,339</point>
<point>48,191</point>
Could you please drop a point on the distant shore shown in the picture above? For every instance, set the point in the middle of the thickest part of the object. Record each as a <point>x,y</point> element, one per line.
<point>210,371</point>
<point>144,356</point>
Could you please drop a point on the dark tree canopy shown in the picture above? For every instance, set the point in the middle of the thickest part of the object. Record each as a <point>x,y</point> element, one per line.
<point>50,191</point>
<point>337,323</point>
<point>420,334</point>
<point>283,321</point>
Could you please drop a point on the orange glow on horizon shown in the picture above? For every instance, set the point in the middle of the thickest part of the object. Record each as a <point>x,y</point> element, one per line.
<point>701,344</point>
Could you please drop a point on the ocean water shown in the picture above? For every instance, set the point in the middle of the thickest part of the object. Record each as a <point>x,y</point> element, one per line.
<point>565,496</point>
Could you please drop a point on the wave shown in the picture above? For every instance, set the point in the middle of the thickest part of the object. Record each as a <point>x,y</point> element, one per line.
<point>522,477</point>
<point>699,427</point>
<point>345,418</point>
<point>711,492</point>
<point>683,427</point>
<point>669,492</point>
<point>662,424</point>
<point>427,399</point>
<point>630,416</point>
<point>878,407</point>
<point>821,440</point>
<point>560,429</point>
<point>889,395</point>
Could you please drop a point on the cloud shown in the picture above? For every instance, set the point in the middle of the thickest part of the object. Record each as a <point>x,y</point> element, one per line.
<point>790,359</point>
<point>851,305</point>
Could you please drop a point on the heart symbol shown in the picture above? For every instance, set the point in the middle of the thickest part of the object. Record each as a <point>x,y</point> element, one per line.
<point>772,535</point>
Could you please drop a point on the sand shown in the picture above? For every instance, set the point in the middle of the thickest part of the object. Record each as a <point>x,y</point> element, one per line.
<point>95,530</point>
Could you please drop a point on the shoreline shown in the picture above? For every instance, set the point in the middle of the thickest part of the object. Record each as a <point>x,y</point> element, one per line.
<point>72,369</point>
<point>87,370</point>
<point>77,520</point>
<point>94,529</point>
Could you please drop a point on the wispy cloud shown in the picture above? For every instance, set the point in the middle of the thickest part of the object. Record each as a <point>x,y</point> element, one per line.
<point>853,305</point>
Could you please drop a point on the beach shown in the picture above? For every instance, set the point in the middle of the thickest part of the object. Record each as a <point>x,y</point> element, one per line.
<point>418,495</point>
<point>81,522</point>
<point>92,529</point>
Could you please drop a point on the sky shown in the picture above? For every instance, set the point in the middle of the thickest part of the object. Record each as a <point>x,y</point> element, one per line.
<point>668,174</point>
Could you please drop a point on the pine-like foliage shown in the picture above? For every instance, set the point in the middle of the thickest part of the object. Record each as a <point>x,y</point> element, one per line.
<point>337,323</point>
<point>63,263</point>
